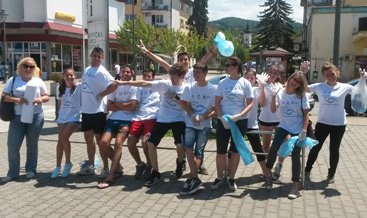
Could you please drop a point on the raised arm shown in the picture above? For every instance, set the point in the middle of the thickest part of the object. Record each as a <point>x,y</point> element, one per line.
<point>139,83</point>
<point>153,56</point>
<point>209,54</point>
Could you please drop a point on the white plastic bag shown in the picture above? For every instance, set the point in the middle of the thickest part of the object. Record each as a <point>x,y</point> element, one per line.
<point>359,97</point>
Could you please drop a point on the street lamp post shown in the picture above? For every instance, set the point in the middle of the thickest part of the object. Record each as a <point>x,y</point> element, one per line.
<point>3,19</point>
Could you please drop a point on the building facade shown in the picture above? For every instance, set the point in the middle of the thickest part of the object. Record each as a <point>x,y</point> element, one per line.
<point>317,44</point>
<point>51,32</point>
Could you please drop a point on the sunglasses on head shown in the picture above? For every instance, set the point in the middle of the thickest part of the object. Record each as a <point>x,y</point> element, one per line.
<point>26,66</point>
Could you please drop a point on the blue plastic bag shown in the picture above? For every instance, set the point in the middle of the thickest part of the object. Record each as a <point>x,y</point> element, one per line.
<point>359,97</point>
<point>287,147</point>
<point>226,48</point>
<point>307,143</point>
<point>220,37</point>
<point>239,141</point>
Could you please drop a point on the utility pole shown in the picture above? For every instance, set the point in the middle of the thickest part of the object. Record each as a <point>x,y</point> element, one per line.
<point>337,34</point>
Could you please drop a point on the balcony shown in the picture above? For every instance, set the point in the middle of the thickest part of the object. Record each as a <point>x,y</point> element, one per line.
<point>160,25</point>
<point>150,7</point>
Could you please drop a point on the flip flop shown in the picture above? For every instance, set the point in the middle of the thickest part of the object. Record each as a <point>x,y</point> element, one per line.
<point>105,184</point>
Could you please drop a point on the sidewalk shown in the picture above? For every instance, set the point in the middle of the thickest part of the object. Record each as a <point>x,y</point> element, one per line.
<point>78,196</point>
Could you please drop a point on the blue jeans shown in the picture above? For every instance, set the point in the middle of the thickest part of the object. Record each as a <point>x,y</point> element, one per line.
<point>199,137</point>
<point>16,133</point>
<point>280,135</point>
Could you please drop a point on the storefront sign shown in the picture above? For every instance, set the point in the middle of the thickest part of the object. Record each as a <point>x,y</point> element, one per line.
<point>66,17</point>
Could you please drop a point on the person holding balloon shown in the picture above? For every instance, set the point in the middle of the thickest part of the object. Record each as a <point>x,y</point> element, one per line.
<point>292,105</point>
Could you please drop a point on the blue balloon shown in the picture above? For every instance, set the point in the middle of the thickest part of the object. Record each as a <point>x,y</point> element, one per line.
<point>226,48</point>
<point>220,37</point>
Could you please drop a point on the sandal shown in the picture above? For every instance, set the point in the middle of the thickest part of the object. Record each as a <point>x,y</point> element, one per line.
<point>105,184</point>
<point>118,174</point>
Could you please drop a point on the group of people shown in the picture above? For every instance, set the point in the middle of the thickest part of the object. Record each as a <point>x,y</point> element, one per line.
<point>186,104</point>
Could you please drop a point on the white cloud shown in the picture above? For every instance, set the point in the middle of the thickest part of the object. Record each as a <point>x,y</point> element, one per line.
<point>246,9</point>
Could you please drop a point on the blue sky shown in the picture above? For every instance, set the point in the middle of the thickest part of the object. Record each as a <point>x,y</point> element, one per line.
<point>246,9</point>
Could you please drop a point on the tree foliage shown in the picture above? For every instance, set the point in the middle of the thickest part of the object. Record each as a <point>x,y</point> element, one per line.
<point>275,26</point>
<point>199,19</point>
<point>194,43</point>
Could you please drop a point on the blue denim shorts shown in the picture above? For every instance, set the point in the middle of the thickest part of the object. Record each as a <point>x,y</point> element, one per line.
<point>197,137</point>
<point>114,126</point>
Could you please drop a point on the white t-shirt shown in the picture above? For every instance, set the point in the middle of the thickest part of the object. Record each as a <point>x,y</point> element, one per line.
<point>123,94</point>
<point>189,76</point>
<point>234,94</point>
<point>95,80</point>
<point>291,111</point>
<point>70,105</point>
<point>331,102</point>
<point>252,114</point>
<point>170,110</point>
<point>19,90</point>
<point>202,101</point>
<point>265,114</point>
<point>148,105</point>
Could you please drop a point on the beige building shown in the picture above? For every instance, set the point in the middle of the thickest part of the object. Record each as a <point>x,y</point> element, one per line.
<point>132,10</point>
<point>186,9</point>
<point>319,35</point>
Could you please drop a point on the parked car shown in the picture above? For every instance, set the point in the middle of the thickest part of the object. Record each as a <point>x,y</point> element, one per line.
<point>348,99</point>
<point>215,81</point>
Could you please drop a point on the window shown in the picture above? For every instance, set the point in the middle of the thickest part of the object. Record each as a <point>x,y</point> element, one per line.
<point>129,17</point>
<point>322,2</point>
<point>362,24</point>
<point>130,2</point>
<point>77,58</point>
<point>157,19</point>
<point>159,2</point>
<point>187,9</point>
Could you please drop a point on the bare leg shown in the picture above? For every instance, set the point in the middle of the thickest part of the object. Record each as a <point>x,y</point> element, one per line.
<point>65,139</point>
<point>131,144</point>
<point>105,148</point>
<point>180,152</point>
<point>115,165</point>
<point>221,163</point>
<point>266,137</point>
<point>144,143</point>
<point>91,146</point>
<point>153,155</point>
<point>192,163</point>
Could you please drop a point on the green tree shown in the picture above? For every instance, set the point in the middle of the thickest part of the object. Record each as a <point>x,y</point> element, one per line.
<point>169,40</point>
<point>194,43</point>
<point>143,31</point>
<point>275,27</point>
<point>199,18</point>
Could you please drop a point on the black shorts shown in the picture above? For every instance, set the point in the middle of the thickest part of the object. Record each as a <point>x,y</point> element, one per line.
<point>95,122</point>
<point>160,129</point>
<point>223,136</point>
<point>268,123</point>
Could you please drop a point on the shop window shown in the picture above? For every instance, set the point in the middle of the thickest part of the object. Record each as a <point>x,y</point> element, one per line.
<point>35,47</point>
<point>77,58</point>
<point>26,48</point>
<point>43,47</point>
<point>66,56</point>
<point>18,47</point>
<point>56,57</point>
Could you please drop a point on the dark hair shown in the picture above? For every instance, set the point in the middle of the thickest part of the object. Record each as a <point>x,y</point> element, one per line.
<point>98,50</point>
<point>251,71</point>
<point>236,61</point>
<point>201,66</point>
<point>178,69</point>
<point>149,70</point>
<point>183,53</point>
<point>125,66</point>
<point>62,86</point>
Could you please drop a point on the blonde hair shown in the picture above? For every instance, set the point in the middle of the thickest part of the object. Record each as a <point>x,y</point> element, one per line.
<point>301,90</point>
<point>327,66</point>
<point>24,61</point>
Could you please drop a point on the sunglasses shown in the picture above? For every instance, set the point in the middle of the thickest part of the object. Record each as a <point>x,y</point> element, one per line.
<point>228,65</point>
<point>28,66</point>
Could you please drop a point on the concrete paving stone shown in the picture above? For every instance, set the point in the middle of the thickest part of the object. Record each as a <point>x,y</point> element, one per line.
<point>13,215</point>
<point>166,212</point>
<point>220,210</point>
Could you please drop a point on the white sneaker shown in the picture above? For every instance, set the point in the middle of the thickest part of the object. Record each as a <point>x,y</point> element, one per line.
<point>30,175</point>
<point>104,173</point>
<point>87,170</point>
<point>6,179</point>
<point>294,193</point>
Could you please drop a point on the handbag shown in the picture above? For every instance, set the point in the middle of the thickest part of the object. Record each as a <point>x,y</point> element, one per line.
<point>310,131</point>
<point>7,108</point>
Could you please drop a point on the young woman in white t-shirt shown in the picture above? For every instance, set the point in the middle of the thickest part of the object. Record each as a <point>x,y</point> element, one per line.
<point>233,97</point>
<point>331,96</point>
<point>293,106</point>
<point>269,121</point>
<point>68,120</point>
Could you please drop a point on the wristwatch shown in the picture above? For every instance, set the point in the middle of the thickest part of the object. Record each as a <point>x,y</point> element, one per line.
<point>177,97</point>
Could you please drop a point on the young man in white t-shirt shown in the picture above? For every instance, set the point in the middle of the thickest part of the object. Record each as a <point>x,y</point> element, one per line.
<point>182,57</point>
<point>143,122</point>
<point>198,101</point>
<point>96,85</point>
<point>122,103</point>
<point>170,116</point>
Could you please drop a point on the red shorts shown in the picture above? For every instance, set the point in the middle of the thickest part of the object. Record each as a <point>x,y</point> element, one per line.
<point>142,127</point>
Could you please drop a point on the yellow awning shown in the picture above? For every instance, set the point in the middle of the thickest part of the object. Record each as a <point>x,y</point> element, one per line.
<point>359,35</point>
